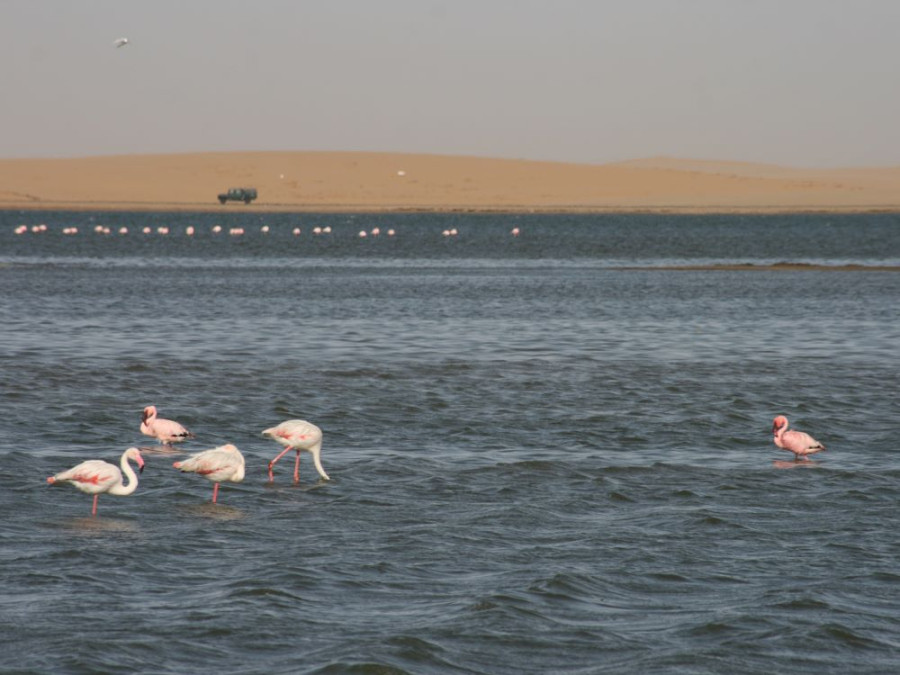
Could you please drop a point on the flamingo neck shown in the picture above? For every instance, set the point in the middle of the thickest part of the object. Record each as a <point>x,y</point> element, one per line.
<point>315,451</point>
<point>779,436</point>
<point>131,485</point>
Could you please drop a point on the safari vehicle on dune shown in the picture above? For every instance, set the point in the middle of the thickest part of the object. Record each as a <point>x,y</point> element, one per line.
<point>245,195</point>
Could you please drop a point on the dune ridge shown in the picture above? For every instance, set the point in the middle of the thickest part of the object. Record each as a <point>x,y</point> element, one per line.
<point>371,181</point>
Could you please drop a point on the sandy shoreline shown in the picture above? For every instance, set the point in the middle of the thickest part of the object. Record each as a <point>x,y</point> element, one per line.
<point>390,182</point>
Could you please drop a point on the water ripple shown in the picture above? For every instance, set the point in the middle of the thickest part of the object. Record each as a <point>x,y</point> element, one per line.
<point>539,463</point>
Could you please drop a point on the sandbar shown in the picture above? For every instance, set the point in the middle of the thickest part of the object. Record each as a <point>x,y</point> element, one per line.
<point>775,267</point>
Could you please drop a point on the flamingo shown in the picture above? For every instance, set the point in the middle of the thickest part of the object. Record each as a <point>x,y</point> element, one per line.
<point>166,431</point>
<point>217,465</point>
<point>799,443</point>
<point>297,435</point>
<point>96,476</point>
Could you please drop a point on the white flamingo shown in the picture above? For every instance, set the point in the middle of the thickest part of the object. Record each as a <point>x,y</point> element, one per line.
<point>297,435</point>
<point>95,476</point>
<point>217,465</point>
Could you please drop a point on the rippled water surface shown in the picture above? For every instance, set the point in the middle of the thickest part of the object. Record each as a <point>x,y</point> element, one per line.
<point>549,453</point>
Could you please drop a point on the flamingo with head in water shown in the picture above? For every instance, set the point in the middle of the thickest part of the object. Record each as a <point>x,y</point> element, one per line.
<point>297,435</point>
<point>799,443</point>
<point>96,476</point>
<point>166,431</point>
<point>217,465</point>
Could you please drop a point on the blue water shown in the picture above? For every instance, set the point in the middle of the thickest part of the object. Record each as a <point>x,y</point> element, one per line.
<point>549,453</point>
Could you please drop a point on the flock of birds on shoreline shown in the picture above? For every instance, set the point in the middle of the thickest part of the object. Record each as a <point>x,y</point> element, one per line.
<point>219,464</point>
<point>226,463</point>
<point>190,230</point>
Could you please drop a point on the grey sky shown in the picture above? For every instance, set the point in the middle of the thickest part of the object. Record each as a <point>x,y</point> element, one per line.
<point>793,82</point>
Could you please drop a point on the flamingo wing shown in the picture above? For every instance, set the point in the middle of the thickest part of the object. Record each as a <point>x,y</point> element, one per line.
<point>217,465</point>
<point>93,476</point>
<point>165,430</point>
<point>800,443</point>
<point>172,430</point>
<point>295,433</point>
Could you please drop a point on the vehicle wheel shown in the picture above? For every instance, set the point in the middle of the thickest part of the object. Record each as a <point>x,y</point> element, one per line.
<point>221,201</point>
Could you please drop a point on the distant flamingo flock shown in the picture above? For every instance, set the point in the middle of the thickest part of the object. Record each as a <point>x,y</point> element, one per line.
<point>190,231</point>
<point>224,463</point>
<point>164,230</point>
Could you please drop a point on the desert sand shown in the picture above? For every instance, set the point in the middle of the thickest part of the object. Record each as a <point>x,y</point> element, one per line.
<point>359,181</point>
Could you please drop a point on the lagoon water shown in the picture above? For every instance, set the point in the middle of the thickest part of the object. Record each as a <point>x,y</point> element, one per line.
<point>549,453</point>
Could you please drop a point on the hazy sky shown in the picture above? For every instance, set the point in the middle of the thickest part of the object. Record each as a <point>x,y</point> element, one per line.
<point>793,82</point>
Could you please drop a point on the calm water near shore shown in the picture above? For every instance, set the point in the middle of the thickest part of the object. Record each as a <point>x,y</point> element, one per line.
<point>541,461</point>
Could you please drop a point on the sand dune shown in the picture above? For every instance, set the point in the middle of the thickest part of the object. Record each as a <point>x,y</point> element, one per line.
<point>351,181</point>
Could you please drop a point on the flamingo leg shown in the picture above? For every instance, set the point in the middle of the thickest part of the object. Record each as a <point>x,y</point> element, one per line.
<point>215,492</point>
<point>94,510</point>
<point>297,468</point>
<point>272,463</point>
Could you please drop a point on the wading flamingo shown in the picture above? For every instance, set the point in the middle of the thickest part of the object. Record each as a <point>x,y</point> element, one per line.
<point>799,443</point>
<point>217,465</point>
<point>297,435</point>
<point>96,476</point>
<point>166,431</point>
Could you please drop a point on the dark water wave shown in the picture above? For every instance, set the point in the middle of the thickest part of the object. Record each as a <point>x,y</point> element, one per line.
<point>539,463</point>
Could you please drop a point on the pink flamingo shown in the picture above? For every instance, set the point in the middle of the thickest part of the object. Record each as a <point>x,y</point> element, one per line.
<point>95,476</point>
<point>297,435</point>
<point>166,431</point>
<point>217,465</point>
<point>799,443</point>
